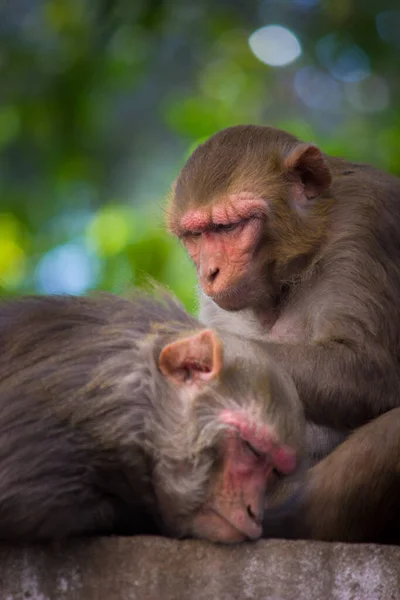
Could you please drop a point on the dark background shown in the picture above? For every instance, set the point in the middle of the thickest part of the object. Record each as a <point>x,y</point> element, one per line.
<point>101,102</point>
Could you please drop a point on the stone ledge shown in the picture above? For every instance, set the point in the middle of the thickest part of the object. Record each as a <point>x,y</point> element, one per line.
<point>161,569</point>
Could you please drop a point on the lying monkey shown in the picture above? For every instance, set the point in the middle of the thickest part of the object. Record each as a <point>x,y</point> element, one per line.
<point>128,416</point>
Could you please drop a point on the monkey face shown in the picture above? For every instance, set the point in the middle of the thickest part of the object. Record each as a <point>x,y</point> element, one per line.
<point>223,241</point>
<point>242,207</point>
<point>233,443</point>
<point>220,492</point>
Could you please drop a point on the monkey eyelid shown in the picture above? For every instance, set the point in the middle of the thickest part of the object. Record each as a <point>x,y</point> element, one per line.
<point>236,208</point>
<point>186,234</point>
<point>221,227</point>
<point>212,228</point>
<point>251,449</point>
<point>216,228</point>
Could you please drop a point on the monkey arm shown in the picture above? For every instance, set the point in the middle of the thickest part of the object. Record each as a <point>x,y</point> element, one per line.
<point>339,386</point>
<point>352,494</point>
<point>358,486</point>
<point>343,381</point>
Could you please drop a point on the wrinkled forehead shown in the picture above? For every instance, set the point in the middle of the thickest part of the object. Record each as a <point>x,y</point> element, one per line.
<point>210,182</point>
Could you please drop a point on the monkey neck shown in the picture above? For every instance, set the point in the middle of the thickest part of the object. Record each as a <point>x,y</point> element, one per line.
<point>267,316</point>
<point>286,278</point>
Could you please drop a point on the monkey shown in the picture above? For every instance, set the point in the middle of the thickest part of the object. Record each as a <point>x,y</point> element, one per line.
<point>352,495</point>
<point>125,416</point>
<point>302,250</point>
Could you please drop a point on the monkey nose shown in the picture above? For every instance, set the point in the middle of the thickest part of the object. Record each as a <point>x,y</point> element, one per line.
<point>255,515</point>
<point>212,274</point>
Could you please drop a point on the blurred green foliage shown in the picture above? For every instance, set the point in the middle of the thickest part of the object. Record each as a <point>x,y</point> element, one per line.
<point>102,101</point>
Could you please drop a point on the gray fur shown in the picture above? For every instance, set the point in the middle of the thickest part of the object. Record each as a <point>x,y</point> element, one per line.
<point>93,438</point>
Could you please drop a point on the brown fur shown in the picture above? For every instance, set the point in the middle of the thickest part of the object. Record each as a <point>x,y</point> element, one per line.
<point>322,288</point>
<point>353,494</point>
<point>94,438</point>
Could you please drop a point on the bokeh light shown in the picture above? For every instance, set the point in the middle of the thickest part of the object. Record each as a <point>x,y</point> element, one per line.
<point>67,269</point>
<point>345,61</point>
<point>370,95</point>
<point>275,45</point>
<point>317,89</point>
<point>101,106</point>
<point>110,230</point>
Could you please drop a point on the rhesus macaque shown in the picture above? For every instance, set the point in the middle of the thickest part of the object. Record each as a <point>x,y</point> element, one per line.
<point>302,250</point>
<point>128,416</point>
<point>350,496</point>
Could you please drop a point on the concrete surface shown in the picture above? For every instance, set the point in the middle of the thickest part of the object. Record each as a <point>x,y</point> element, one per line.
<point>156,568</point>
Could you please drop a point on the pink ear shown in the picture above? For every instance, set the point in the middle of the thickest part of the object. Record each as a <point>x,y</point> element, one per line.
<point>310,170</point>
<point>192,360</point>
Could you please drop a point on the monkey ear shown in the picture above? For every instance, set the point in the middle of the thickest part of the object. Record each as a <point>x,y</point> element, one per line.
<point>308,166</point>
<point>191,360</point>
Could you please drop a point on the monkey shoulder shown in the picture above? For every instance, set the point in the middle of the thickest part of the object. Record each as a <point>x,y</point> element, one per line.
<point>364,183</point>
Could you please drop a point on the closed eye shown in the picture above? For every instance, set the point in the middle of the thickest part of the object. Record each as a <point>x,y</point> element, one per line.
<point>222,227</point>
<point>190,234</point>
<point>251,449</point>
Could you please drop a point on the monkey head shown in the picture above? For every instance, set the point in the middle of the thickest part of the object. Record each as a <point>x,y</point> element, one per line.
<point>227,434</point>
<point>128,416</point>
<point>247,207</point>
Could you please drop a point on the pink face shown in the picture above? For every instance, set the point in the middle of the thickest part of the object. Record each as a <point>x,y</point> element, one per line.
<point>234,510</point>
<point>222,239</point>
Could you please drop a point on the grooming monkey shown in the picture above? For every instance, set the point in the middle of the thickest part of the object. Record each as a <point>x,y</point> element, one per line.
<point>302,250</point>
<point>128,416</point>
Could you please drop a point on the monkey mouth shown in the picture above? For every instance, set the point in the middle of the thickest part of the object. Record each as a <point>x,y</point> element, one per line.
<point>228,532</point>
<point>242,294</point>
<point>232,300</point>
